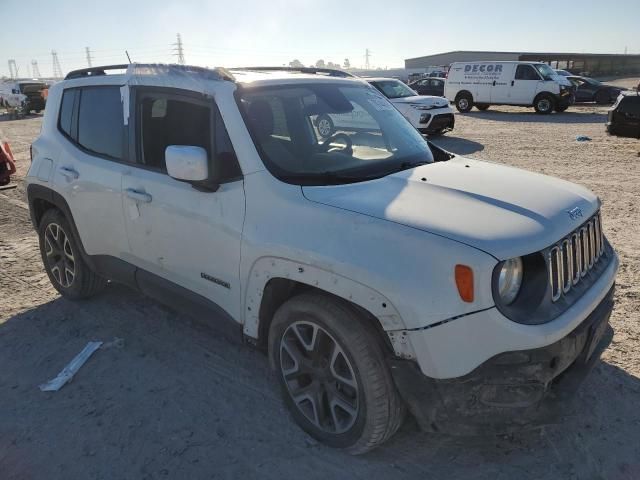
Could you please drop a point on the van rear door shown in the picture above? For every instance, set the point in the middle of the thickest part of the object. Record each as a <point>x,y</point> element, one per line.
<point>524,85</point>
<point>501,85</point>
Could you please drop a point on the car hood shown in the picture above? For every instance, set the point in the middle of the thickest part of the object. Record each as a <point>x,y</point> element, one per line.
<point>429,100</point>
<point>501,210</point>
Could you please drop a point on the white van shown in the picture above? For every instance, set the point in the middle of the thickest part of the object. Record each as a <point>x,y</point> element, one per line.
<point>528,84</point>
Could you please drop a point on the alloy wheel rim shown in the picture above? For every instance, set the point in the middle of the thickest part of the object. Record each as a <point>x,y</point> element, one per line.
<point>324,127</point>
<point>319,377</point>
<point>463,104</point>
<point>59,255</point>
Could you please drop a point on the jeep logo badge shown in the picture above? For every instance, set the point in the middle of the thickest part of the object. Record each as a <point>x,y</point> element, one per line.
<point>575,213</point>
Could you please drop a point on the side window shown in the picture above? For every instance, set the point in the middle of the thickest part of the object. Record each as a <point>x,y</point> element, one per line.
<point>100,121</point>
<point>66,112</point>
<point>166,119</point>
<point>526,72</point>
<point>170,120</point>
<point>630,105</point>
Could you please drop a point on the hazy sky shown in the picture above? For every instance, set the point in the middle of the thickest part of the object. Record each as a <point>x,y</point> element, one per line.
<point>274,32</point>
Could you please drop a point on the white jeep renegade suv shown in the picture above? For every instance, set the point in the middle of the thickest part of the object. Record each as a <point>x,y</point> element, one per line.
<point>379,272</point>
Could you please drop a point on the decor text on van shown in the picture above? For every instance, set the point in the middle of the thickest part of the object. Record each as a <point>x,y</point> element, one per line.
<point>484,68</point>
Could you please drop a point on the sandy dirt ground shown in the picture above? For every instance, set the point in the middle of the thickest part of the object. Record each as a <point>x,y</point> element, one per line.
<point>176,400</point>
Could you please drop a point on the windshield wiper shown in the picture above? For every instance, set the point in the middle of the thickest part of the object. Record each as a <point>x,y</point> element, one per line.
<point>327,178</point>
<point>405,166</point>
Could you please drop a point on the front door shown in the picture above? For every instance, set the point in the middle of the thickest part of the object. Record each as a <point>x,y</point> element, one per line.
<point>188,236</point>
<point>524,85</point>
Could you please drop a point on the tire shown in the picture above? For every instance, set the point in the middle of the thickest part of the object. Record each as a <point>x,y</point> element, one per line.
<point>482,107</point>
<point>561,108</point>
<point>602,97</point>
<point>464,102</point>
<point>304,331</point>
<point>325,126</point>
<point>61,250</point>
<point>544,104</point>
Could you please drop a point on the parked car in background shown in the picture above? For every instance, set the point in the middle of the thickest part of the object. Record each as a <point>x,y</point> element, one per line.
<point>23,95</point>
<point>429,86</point>
<point>563,73</point>
<point>527,84</point>
<point>438,74</point>
<point>623,118</point>
<point>591,90</point>
<point>429,114</point>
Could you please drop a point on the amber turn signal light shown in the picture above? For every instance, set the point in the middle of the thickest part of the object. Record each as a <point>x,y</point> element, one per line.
<point>464,282</point>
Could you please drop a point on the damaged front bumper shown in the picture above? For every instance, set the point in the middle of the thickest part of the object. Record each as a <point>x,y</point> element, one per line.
<point>510,391</point>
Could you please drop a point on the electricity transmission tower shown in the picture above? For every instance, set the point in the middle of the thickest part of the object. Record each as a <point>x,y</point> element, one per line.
<point>35,69</point>
<point>367,55</point>
<point>57,70</point>
<point>88,56</point>
<point>13,69</point>
<point>179,51</point>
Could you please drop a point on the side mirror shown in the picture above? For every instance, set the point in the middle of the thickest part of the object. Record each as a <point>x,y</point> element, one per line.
<point>187,163</point>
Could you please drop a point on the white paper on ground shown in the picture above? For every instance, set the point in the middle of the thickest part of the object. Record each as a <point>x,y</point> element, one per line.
<point>70,370</point>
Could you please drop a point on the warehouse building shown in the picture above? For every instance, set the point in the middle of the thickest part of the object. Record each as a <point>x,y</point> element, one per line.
<point>595,64</point>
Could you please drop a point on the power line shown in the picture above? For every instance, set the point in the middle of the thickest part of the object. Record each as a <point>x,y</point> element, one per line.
<point>57,70</point>
<point>178,49</point>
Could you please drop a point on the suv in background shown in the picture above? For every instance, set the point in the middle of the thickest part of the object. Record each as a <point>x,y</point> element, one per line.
<point>430,115</point>
<point>429,86</point>
<point>377,271</point>
<point>23,95</point>
<point>623,118</point>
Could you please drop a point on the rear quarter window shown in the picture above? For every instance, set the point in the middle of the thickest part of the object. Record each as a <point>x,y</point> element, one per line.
<point>66,111</point>
<point>100,121</point>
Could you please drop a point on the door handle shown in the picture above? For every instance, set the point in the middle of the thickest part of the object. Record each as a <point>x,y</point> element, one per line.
<point>69,173</point>
<point>513,82</point>
<point>138,196</point>
<point>494,83</point>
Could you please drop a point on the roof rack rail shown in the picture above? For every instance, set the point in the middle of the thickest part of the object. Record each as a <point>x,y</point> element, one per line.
<point>331,72</point>
<point>214,73</point>
<point>94,71</point>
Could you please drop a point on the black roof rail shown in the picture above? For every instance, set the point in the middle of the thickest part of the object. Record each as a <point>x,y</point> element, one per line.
<point>213,73</point>
<point>331,72</point>
<point>94,71</point>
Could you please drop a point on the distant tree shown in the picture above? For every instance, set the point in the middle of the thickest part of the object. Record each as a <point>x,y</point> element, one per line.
<point>333,65</point>
<point>320,64</point>
<point>296,64</point>
<point>346,64</point>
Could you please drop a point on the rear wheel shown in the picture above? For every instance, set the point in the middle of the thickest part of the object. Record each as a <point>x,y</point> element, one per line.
<point>544,104</point>
<point>464,102</point>
<point>332,371</point>
<point>325,126</point>
<point>63,262</point>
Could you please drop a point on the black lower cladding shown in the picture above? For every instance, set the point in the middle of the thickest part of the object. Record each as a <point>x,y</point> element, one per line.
<point>510,391</point>
<point>440,123</point>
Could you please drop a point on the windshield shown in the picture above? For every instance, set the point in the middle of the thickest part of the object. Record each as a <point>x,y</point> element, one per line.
<point>393,89</point>
<point>319,134</point>
<point>546,71</point>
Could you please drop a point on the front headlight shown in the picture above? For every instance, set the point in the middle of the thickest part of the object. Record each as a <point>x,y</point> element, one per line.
<point>510,280</point>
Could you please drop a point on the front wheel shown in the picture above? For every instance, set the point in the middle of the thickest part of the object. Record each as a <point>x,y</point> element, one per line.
<point>68,272</point>
<point>332,371</point>
<point>464,102</point>
<point>544,104</point>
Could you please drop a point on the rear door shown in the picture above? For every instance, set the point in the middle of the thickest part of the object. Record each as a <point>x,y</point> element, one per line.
<point>524,85</point>
<point>188,236</point>
<point>90,165</point>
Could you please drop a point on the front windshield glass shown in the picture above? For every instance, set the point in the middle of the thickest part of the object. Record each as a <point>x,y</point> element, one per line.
<point>393,89</point>
<point>546,71</point>
<point>329,133</point>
